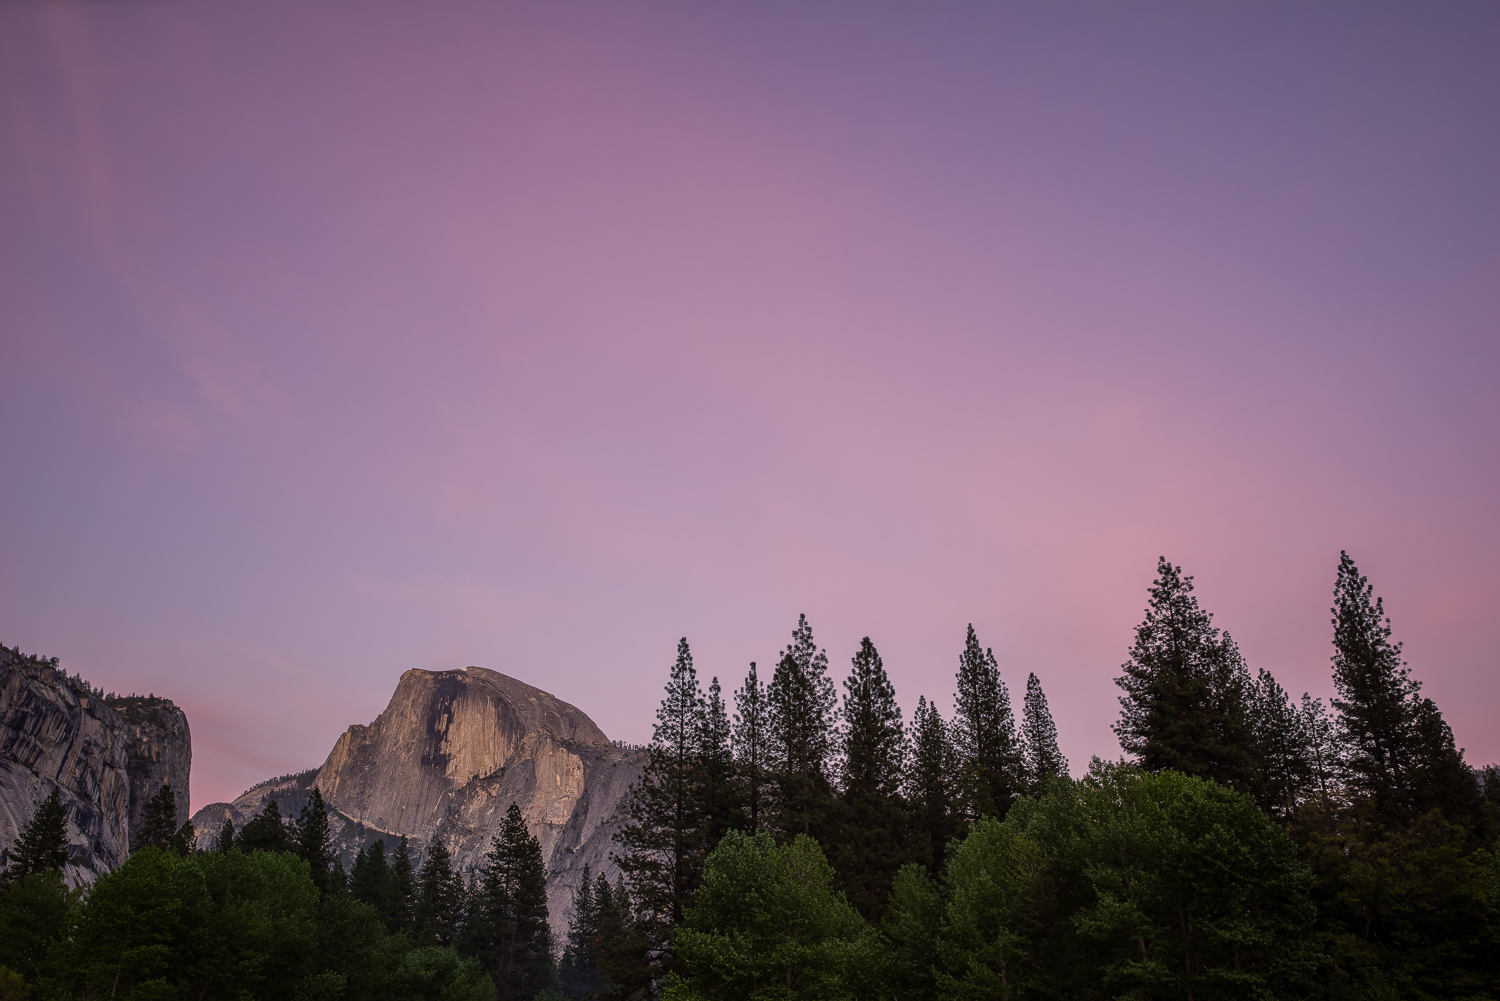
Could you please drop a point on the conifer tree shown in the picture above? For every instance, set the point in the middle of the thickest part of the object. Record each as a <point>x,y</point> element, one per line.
<point>717,794</point>
<point>403,887</point>
<point>439,906</point>
<point>1044,759</point>
<point>314,841</point>
<point>509,930</point>
<point>984,734</point>
<point>1185,702</point>
<point>1283,748</point>
<point>662,841</point>
<point>370,880</point>
<point>42,845</point>
<point>266,831</point>
<point>185,839</point>
<point>803,725</point>
<point>227,840</point>
<point>160,823</point>
<point>627,964</point>
<point>579,969</point>
<point>869,843</point>
<point>930,787</point>
<point>752,749</point>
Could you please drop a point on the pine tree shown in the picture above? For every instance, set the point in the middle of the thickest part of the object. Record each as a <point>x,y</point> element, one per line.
<point>579,969</point>
<point>370,880</point>
<point>752,749</point>
<point>1044,759</point>
<point>403,887</point>
<point>930,787</point>
<point>869,843</point>
<point>509,929</point>
<point>717,794</point>
<point>160,823</point>
<point>314,841</point>
<point>184,839</point>
<point>662,841</point>
<point>803,725</point>
<point>226,842</point>
<point>984,734</point>
<point>627,963</point>
<point>1185,702</point>
<point>266,831</point>
<point>1283,748</point>
<point>439,905</point>
<point>42,845</point>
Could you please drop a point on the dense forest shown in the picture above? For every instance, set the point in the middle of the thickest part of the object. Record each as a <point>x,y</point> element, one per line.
<point>786,842</point>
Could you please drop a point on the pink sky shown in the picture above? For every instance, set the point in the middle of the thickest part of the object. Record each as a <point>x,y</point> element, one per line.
<point>338,341</point>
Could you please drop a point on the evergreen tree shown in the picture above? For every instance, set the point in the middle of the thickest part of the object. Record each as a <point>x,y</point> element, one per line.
<point>403,888</point>
<point>627,966</point>
<point>803,726</point>
<point>314,841</point>
<point>440,901</point>
<point>930,782</point>
<point>1044,759</point>
<point>43,843</point>
<point>662,841</point>
<point>160,823</point>
<point>508,924</point>
<point>370,880</point>
<point>266,831</point>
<point>984,734</point>
<point>717,794</point>
<point>1397,748</point>
<point>869,844</point>
<point>579,969</point>
<point>184,839</point>
<point>1185,702</point>
<point>1283,748</point>
<point>226,842</point>
<point>752,749</point>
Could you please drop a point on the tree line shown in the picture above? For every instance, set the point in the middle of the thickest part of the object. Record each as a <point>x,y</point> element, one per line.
<point>1249,844</point>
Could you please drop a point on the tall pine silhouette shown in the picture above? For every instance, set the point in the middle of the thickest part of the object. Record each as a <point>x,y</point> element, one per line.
<point>718,795</point>
<point>439,903</point>
<point>931,781</point>
<point>508,928</point>
<point>1044,759</point>
<point>984,734</point>
<point>869,843</point>
<point>803,720</point>
<point>753,753</point>
<point>42,845</point>
<point>1186,691</point>
<point>315,842</point>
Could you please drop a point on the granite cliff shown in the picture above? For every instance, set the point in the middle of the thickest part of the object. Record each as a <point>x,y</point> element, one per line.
<point>106,758</point>
<point>447,757</point>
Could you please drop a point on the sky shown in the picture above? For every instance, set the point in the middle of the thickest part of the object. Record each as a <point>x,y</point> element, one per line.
<point>343,339</point>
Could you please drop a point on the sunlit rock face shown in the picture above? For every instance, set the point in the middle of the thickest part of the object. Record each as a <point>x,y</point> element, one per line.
<point>447,757</point>
<point>105,759</point>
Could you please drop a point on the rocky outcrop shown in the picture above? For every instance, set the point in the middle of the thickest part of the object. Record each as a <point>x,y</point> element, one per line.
<point>57,732</point>
<point>447,757</point>
<point>158,751</point>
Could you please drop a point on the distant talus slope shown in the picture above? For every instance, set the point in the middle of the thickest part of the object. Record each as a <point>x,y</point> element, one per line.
<point>454,749</point>
<point>55,733</point>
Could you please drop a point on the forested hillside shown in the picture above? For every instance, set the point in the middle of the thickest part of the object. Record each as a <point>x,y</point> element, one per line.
<point>788,840</point>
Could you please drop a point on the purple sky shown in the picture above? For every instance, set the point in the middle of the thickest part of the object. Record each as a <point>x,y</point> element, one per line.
<point>340,341</point>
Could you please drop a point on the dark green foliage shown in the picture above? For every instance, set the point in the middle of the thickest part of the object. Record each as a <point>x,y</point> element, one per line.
<point>507,925</point>
<point>34,912</point>
<point>1127,884</point>
<point>718,794</point>
<point>753,755</point>
<point>160,824</point>
<point>439,898</point>
<point>266,831</point>
<point>803,729</point>
<point>578,973</point>
<point>931,787</point>
<point>185,838</point>
<point>662,842</point>
<point>769,923</point>
<point>43,843</point>
<point>1398,750</point>
<point>1186,691</point>
<point>869,842</point>
<point>984,735</point>
<point>227,841</point>
<point>1044,759</point>
<point>370,881</point>
<point>625,958</point>
<point>1288,747</point>
<point>403,888</point>
<point>314,842</point>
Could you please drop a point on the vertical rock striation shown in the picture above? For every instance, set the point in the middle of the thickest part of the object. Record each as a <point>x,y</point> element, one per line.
<point>158,751</point>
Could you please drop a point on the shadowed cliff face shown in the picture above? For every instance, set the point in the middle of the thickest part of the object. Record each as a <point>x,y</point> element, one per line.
<point>54,732</point>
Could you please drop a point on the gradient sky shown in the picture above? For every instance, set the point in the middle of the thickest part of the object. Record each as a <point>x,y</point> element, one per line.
<point>341,340</point>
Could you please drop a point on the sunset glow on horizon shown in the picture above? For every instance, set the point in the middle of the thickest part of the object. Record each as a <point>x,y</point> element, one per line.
<point>340,340</point>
